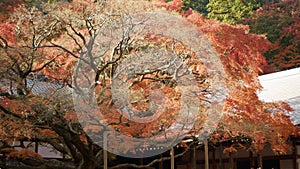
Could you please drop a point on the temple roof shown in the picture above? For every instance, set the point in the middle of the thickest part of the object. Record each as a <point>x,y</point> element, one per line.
<point>283,86</point>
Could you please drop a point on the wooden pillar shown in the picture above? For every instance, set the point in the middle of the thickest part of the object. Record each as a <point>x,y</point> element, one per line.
<point>252,162</point>
<point>206,154</point>
<point>194,158</point>
<point>105,161</point>
<point>259,161</point>
<point>172,158</point>
<point>161,162</point>
<point>215,163</point>
<point>295,165</point>
<point>231,162</point>
<point>221,156</point>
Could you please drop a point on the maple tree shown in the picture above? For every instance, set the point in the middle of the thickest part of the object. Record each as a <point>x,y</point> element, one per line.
<point>47,42</point>
<point>29,46</point>
<point>52,40</point>
<point>242,118</point>
<point>280,22</point>
<point>7,7</point>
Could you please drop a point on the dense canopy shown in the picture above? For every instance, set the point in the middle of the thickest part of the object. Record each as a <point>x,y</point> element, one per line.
<point>55,42</point>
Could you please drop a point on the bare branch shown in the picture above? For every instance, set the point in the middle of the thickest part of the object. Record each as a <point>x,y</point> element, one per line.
<point>78,33</point>
<point>3,42</point>
<point>44,65</point>
<point>75,40</point>
<point>90,27</point>
<point>46,34</point>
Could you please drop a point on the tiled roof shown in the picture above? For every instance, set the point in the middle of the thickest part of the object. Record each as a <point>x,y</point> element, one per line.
<point>44,88</point>
<point>40,85</point>
<point>283,86</point>
<point>295,104</point>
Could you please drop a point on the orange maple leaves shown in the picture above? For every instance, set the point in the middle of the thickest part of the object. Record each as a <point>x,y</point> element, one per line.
<point>242,57</point>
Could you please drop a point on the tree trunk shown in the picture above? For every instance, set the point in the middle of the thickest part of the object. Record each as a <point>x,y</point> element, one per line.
<point>88,164</point>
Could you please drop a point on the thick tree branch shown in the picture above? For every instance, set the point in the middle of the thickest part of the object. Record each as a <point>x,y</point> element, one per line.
<point>10,113</point>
